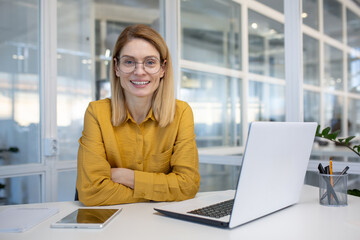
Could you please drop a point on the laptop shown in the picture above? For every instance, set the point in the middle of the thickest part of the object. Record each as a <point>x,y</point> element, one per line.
<point>272,174</point>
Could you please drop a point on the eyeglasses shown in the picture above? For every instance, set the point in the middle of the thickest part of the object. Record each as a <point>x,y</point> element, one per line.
<point>151,65</point>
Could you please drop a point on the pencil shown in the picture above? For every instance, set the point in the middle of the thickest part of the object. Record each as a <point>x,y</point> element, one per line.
<point>331,172</point>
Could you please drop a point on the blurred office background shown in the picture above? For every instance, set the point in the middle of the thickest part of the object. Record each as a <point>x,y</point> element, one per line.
<point>229,60</point>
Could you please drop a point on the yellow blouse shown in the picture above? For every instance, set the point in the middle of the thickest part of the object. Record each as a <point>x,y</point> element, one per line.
<point>165,160</point>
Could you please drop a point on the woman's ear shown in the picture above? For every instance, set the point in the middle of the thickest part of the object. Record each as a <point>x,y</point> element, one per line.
<point>163,66</point>
<point>116,67</point>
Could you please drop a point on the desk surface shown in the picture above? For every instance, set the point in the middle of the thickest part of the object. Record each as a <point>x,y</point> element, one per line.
<point>305,220</point>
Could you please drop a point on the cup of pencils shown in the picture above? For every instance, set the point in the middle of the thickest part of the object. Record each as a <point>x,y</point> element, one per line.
<point>332,186</point>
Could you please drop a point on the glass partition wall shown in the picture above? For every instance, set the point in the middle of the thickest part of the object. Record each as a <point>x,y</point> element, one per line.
<point>20,85</point>
<point>56,56</point>
<point>249,46</point>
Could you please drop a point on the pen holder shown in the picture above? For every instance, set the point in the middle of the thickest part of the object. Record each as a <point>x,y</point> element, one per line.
<point>333,189</point>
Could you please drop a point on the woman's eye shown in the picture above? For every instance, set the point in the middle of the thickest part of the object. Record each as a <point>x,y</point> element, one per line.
<point>129,62</point>
<point>150,62</point>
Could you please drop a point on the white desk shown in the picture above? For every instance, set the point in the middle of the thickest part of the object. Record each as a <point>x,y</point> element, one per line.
<point>306,220</point>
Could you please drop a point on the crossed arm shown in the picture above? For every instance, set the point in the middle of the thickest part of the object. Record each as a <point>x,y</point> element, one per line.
<point>123,176</point>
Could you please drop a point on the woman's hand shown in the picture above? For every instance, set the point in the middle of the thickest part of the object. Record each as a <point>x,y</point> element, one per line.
<point>123,176</point>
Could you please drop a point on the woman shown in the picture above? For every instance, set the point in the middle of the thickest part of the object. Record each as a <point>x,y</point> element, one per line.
<point>140,144</point>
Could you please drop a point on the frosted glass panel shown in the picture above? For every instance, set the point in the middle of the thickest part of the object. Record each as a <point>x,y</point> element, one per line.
<point>211,32</point>
<point>266,102</point>
<point>20,190</point>
<point>74,82</point>
<point>354,117</point>
<point>66,185</point>
<point>311,106</point>
<point>266,46</point>
<point>333,116</point>
<point>333,19</point>
<point>311,60</point>
<point>215,101</point>
<point>19,82</point>
<point>274,4</point>
<point>353,73</point>
<point>310,14</point>
<point>333,68</point>
<point>353,29</point>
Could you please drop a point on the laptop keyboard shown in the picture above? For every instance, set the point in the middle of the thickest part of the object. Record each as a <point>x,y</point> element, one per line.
<point>217,210</point>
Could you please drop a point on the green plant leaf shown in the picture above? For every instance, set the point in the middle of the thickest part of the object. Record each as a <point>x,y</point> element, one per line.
<point>325,131</point>
<point>354,192</point>
<point>333,135</point>
<point>318,131</point>
<point>357,148</point>
<point>347,140</point>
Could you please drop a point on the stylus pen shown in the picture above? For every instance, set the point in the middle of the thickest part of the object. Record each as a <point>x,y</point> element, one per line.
<point>337,180</point>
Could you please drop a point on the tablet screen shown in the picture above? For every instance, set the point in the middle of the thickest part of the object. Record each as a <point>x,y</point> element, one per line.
<point>87,218</point>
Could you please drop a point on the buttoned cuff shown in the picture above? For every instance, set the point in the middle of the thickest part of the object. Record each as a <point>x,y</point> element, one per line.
<point>143,187</point>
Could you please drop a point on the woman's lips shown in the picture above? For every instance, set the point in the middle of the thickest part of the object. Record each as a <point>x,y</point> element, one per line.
<point>140,83</point>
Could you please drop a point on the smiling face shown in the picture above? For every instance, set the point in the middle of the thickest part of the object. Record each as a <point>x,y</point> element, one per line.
<point>138,83</point>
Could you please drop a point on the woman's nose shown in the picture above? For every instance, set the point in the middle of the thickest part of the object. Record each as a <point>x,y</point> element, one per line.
<point>139,68</point>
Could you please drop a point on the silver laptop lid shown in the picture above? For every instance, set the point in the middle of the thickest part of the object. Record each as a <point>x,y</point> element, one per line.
<point>273,168</point>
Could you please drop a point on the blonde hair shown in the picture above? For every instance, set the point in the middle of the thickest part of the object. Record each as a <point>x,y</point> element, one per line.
<point>163,101</point>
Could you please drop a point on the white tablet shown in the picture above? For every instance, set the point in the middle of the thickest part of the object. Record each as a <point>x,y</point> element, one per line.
<point>94,218</point>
